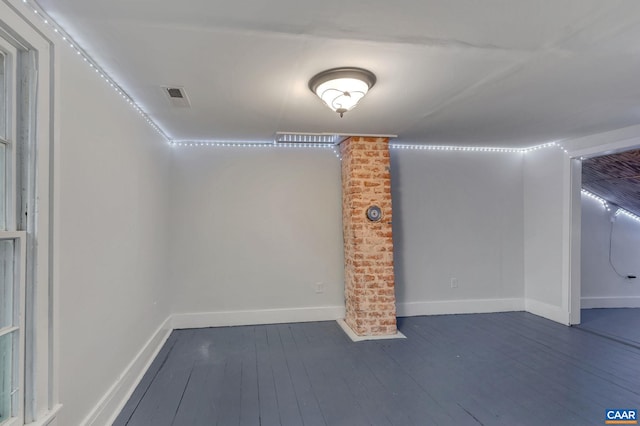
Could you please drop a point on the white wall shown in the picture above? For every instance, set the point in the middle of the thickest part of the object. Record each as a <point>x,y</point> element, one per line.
<point>113,236</point>
<point>457,215</point>
<point>255,229</point>
<point>543,232</point>
<point>601,286</point>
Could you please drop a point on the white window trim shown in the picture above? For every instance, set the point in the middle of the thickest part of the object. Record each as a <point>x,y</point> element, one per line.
<point>42,401</point>
<point>17,329</point>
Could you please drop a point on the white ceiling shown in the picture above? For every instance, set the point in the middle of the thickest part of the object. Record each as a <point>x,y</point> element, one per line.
<point>465,72</point>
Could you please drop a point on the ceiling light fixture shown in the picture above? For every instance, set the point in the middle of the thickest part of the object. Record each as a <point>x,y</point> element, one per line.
<point>342,88</point>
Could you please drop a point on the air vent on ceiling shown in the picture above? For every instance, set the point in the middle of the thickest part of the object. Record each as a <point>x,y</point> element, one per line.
<point>307,138</point>
<point>177,96</point>
<point>318,138</point>
<point>175,93</point>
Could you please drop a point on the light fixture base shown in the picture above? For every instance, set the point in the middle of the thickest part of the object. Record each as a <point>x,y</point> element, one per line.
<point>342,72</point>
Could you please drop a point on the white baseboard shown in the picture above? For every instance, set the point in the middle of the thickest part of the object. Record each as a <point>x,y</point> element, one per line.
<point>108,408</point>
<point>610,302</point>
<point>545,310</point>
<point>264,316</point>
<point>444,307</point>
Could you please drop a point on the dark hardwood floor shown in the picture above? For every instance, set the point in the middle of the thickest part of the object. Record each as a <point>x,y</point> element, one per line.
<point>487,369</point>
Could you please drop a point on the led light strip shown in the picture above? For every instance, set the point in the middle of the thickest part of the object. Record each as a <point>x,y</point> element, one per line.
<point>607,206</point>
<point>475,148</point>
<point>232,144</point>
<point>297,142</point>
<point>605,203</point>
<point>628,214</point>
<point>64,36</point>
<point>453,148</point>
<point>239,144</point>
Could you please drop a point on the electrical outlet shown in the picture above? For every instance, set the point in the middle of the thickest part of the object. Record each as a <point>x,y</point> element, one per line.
<point>319,288</point>
<point>454,283</point>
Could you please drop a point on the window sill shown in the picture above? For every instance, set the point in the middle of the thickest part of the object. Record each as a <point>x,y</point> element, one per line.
<point>49,418</point>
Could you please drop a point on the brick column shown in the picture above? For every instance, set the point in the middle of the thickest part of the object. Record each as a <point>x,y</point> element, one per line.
<point>368,246</point>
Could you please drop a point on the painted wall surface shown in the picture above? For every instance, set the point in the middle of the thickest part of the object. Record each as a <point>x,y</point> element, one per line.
<point>543,226</point>
<point>255,229</point>
<point>112,237</point>
<point>601,286</point>
<point>457,215</point>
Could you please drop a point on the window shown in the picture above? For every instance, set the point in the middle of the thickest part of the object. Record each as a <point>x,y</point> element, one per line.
<point>11,334</point>
<point>12,244</point>
<point>28,284</point>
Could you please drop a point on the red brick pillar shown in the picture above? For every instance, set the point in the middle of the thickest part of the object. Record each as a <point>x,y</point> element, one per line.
<point>368,245</point>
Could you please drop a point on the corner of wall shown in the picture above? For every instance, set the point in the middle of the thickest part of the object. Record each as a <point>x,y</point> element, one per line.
<point>548,311</point>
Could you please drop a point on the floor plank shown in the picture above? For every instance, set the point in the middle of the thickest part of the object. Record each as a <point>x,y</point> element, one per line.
<point>621,324</point>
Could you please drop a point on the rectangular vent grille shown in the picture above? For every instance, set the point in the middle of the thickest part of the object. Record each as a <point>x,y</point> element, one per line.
<point>177,96</point>
<point>175,93</point>
<point>308,138</point>
<point>292,138</point>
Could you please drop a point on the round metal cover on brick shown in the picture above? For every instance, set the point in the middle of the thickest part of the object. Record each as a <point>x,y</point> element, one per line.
<point>374,213</point>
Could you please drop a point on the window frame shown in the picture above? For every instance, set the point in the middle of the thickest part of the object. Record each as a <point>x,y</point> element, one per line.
<point>11,133</point>
<point>9,231</point>
<point>23,28</point>
<point>17,329</point>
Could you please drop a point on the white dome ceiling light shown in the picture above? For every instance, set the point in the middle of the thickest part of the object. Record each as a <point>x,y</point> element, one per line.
<point>342,88</point>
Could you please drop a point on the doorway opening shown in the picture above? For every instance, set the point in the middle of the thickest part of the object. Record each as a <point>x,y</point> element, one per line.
<point>610,245</point>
